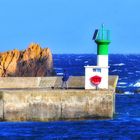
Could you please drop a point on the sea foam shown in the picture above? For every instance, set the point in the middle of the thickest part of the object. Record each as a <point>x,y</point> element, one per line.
<point>120,64</point>
<point>137,84</point>
<point>128,93</point>
<point>122,83</point>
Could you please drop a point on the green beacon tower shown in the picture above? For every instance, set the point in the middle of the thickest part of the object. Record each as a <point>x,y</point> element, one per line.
<point>97,76</point>
<point>102,39</point>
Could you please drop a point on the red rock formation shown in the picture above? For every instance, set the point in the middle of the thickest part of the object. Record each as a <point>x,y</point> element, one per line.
<point>32,62</point>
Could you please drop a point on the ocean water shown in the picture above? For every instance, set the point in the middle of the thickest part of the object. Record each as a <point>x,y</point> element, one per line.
<point>126,122</point>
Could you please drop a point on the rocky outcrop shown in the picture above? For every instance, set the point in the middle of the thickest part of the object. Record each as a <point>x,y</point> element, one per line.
<point>33,62</point>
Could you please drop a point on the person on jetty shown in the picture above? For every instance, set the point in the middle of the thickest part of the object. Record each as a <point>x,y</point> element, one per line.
<point>65,80</point>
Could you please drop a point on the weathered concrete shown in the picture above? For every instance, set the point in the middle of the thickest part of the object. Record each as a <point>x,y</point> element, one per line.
<point>44,104</point>
<point>74,82</point>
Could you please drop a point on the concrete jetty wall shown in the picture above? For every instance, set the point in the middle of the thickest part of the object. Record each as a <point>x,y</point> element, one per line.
<point>36,102</point>
<point>41,105</point>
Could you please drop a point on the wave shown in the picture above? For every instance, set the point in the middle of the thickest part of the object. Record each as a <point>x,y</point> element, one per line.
<point>59,74</point>
<point>128,93</point>
<point>137,84</point>
<point>120,64</point>
<point>130,73</point>
<point>121,86</point>
<point>58,68</point>
<point>124,78</point>
<point>114,70</point>
<point>137,71</point>
<point>86,62</point>
<point>122,83</point>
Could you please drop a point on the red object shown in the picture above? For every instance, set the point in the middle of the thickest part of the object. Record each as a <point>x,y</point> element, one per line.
<point>96,80</point>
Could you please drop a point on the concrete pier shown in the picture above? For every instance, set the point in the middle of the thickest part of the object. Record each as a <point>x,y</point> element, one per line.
<point>41,99</point>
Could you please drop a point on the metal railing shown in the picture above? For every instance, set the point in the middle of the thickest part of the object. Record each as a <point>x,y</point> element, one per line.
<point>103,34</point>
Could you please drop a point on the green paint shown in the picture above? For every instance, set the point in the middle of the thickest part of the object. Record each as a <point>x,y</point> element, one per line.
<point>102,40</point>
<point>102,48</point>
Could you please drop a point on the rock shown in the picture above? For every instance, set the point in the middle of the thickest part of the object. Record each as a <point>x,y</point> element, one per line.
<point>137,91</point>
<point>32,62</point>
<point>119,91</point>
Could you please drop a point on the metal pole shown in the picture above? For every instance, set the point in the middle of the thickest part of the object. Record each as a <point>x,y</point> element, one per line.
<point>102,31</point>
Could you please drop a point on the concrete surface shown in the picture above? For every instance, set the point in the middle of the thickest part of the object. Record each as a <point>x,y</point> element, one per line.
<point>46,105</point>
<point>46,82</point>
<point>36,101</point>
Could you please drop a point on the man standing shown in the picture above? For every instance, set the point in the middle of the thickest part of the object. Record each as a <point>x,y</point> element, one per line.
<point>65,80</point>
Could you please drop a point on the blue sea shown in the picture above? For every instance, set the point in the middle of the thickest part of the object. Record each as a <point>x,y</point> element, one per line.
<point>126,122</point>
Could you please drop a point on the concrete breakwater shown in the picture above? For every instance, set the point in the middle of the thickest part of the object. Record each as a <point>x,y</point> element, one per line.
<point>38,102</point>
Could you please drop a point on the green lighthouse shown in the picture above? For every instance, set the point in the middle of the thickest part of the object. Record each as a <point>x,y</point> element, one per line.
<point>97,76</point>
<point>102,39</point>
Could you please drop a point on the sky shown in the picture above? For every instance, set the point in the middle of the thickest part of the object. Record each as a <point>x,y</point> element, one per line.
<point>67,26</point>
